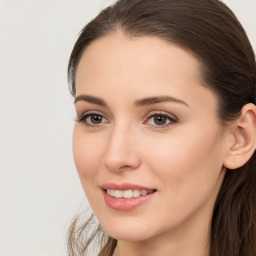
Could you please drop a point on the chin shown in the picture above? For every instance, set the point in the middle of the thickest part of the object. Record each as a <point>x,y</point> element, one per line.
<point>131,235</point>
<point>128,230</point>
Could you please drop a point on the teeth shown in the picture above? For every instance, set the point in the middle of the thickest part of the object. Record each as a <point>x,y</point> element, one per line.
<point>118,193</point>
<point>136,193</point>
<point>128,193</point>
<point>112,192</point>
<point>143,192</point>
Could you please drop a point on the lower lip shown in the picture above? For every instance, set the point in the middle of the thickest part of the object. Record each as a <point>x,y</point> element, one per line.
<point>126,204</point>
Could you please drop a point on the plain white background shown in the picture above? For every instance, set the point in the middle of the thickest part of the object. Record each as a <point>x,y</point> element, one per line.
<point>39,187</point>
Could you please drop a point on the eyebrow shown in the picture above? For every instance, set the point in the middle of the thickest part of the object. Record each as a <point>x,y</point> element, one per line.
<point>158,99</point>
<point>138,103</point>
<point>91,99</point>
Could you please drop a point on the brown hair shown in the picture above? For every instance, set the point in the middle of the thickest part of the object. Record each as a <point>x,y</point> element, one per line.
<point>210,31</point>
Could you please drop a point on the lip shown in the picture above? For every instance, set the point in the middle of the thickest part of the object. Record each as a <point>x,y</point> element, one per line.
<point>125,204</point>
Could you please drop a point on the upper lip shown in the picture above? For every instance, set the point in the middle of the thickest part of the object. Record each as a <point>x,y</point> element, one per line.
<point>124,186</point>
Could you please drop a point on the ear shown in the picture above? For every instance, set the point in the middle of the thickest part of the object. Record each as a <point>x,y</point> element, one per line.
<point>243,138</point>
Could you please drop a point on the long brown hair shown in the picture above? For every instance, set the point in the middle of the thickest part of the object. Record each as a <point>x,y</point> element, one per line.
<point>210,31</point>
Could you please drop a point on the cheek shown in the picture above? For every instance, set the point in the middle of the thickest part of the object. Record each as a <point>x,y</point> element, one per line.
<point>87,155</point>
<point>187,165</point>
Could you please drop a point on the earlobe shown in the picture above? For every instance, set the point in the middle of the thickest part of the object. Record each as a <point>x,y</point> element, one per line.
<point>243,138</point>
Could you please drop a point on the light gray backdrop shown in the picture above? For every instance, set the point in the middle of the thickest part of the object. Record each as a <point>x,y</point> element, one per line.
<point>39,187</point>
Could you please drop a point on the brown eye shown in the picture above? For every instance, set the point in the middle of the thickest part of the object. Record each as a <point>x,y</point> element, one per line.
<point>160,119</point>
<point>95,119</point>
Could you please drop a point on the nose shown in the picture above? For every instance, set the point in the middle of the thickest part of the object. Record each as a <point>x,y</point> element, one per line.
<point>121,153</point>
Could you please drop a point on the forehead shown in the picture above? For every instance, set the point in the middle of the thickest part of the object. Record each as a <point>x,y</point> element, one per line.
<point>141,66</point>
<point>120,53</point>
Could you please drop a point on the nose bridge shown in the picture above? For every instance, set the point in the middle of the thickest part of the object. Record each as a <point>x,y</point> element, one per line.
<point>121,152</point>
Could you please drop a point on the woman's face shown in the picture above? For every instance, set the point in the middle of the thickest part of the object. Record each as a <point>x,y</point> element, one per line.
<point>148,146</point>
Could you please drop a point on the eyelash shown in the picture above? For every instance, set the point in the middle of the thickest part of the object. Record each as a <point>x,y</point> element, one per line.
<point>83,119</point>
<point>171,119</point>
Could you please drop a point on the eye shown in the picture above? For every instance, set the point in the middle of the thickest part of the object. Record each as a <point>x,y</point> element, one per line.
<point>161,120</point>
<point>95,119</point>
<point>92,119</point>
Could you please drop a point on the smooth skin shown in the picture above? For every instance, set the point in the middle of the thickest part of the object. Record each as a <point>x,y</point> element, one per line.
<point>173,143</point>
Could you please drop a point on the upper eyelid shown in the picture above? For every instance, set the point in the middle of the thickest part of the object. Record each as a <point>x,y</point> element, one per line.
<point>86,114</point>
<point>153,113</point>
<point>91,112</point>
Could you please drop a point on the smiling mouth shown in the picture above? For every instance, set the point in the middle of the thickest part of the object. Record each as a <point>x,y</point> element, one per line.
<point>127,194</point>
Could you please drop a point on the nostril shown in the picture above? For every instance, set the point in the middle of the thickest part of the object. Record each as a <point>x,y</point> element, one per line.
<point>125,167</point>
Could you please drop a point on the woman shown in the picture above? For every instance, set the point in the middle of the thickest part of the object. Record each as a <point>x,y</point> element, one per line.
<point>165,138</point>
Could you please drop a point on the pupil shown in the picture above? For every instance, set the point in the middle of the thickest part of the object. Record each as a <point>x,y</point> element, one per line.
<point>160,120</point>
<point>96,119</point>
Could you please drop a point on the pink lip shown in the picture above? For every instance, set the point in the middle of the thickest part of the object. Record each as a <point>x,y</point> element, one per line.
<point>123,204</point>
